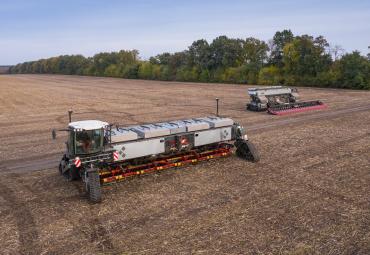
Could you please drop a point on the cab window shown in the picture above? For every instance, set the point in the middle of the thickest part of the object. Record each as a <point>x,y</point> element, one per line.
<point>89,141</point>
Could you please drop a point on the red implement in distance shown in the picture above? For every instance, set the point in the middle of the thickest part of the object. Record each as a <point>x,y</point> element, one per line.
<point>296,107</point>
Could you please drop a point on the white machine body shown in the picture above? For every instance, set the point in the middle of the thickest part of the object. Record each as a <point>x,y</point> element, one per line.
<point>160,138</point>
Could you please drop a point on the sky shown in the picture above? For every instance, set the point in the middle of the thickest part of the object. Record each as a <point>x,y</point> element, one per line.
<point>35,29</point>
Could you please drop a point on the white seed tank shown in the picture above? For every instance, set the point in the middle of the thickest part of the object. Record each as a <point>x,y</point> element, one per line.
<point>172,136</point>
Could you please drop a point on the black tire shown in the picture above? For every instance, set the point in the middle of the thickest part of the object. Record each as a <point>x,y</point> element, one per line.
<point>241,151</point>
<point>61,163</point>
<point>60,169</point>
<point>252,107</point>
<point>93,186</point>
<point>253,151</point>
<point>72,174</point>
<point>246,150</point>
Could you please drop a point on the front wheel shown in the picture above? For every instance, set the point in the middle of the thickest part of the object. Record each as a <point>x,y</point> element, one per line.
<point>72,174</point>
<point>93,187</point>
<point>60,168</point>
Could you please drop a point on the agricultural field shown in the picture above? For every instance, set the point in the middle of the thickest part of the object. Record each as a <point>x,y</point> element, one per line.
<point>309,194</point>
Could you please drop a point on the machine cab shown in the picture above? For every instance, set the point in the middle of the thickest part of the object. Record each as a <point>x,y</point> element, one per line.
<point>86,137</point>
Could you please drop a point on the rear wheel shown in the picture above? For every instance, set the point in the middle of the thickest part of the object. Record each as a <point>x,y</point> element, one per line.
<point>252,107</point>
<point>93,186</point>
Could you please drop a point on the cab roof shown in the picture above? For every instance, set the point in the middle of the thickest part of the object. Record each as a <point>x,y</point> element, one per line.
<point>88,124</point>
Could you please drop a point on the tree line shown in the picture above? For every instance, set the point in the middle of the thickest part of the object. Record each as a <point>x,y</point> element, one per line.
<point>286,59</point>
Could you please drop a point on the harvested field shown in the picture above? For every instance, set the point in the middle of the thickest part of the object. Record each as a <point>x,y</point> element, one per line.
<point>309,194</point>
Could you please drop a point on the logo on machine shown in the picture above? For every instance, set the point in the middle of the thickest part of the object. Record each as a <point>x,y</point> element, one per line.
<point>225,134</point>
<point>121,152</point>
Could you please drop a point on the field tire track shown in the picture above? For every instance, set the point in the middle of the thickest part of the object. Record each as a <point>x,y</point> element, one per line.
<point>27,230</point>
<point>100,234</point>
<point>94,228</point>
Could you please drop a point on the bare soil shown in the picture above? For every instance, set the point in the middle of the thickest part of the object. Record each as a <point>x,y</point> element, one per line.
<point>308,195</point>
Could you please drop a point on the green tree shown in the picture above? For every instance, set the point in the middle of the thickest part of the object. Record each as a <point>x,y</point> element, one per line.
<point>131,71</point>
<point>101,61</point>
<point>280,39</point>
<point>354,71</point>
<point>165,73</point>
<point>269,75</point>
<point>200,54</point>
<point>156,72</point>
<point>235,75</point>
<point>255,51</point>
<point>145,70</point>
<point>162,59</point>
<point>304,58</point>
<point>226,52</point>
<point>204,75</point>
<point>112,71</point>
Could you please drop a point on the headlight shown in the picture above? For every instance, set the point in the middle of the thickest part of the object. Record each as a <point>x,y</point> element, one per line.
<point>246,137</point>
